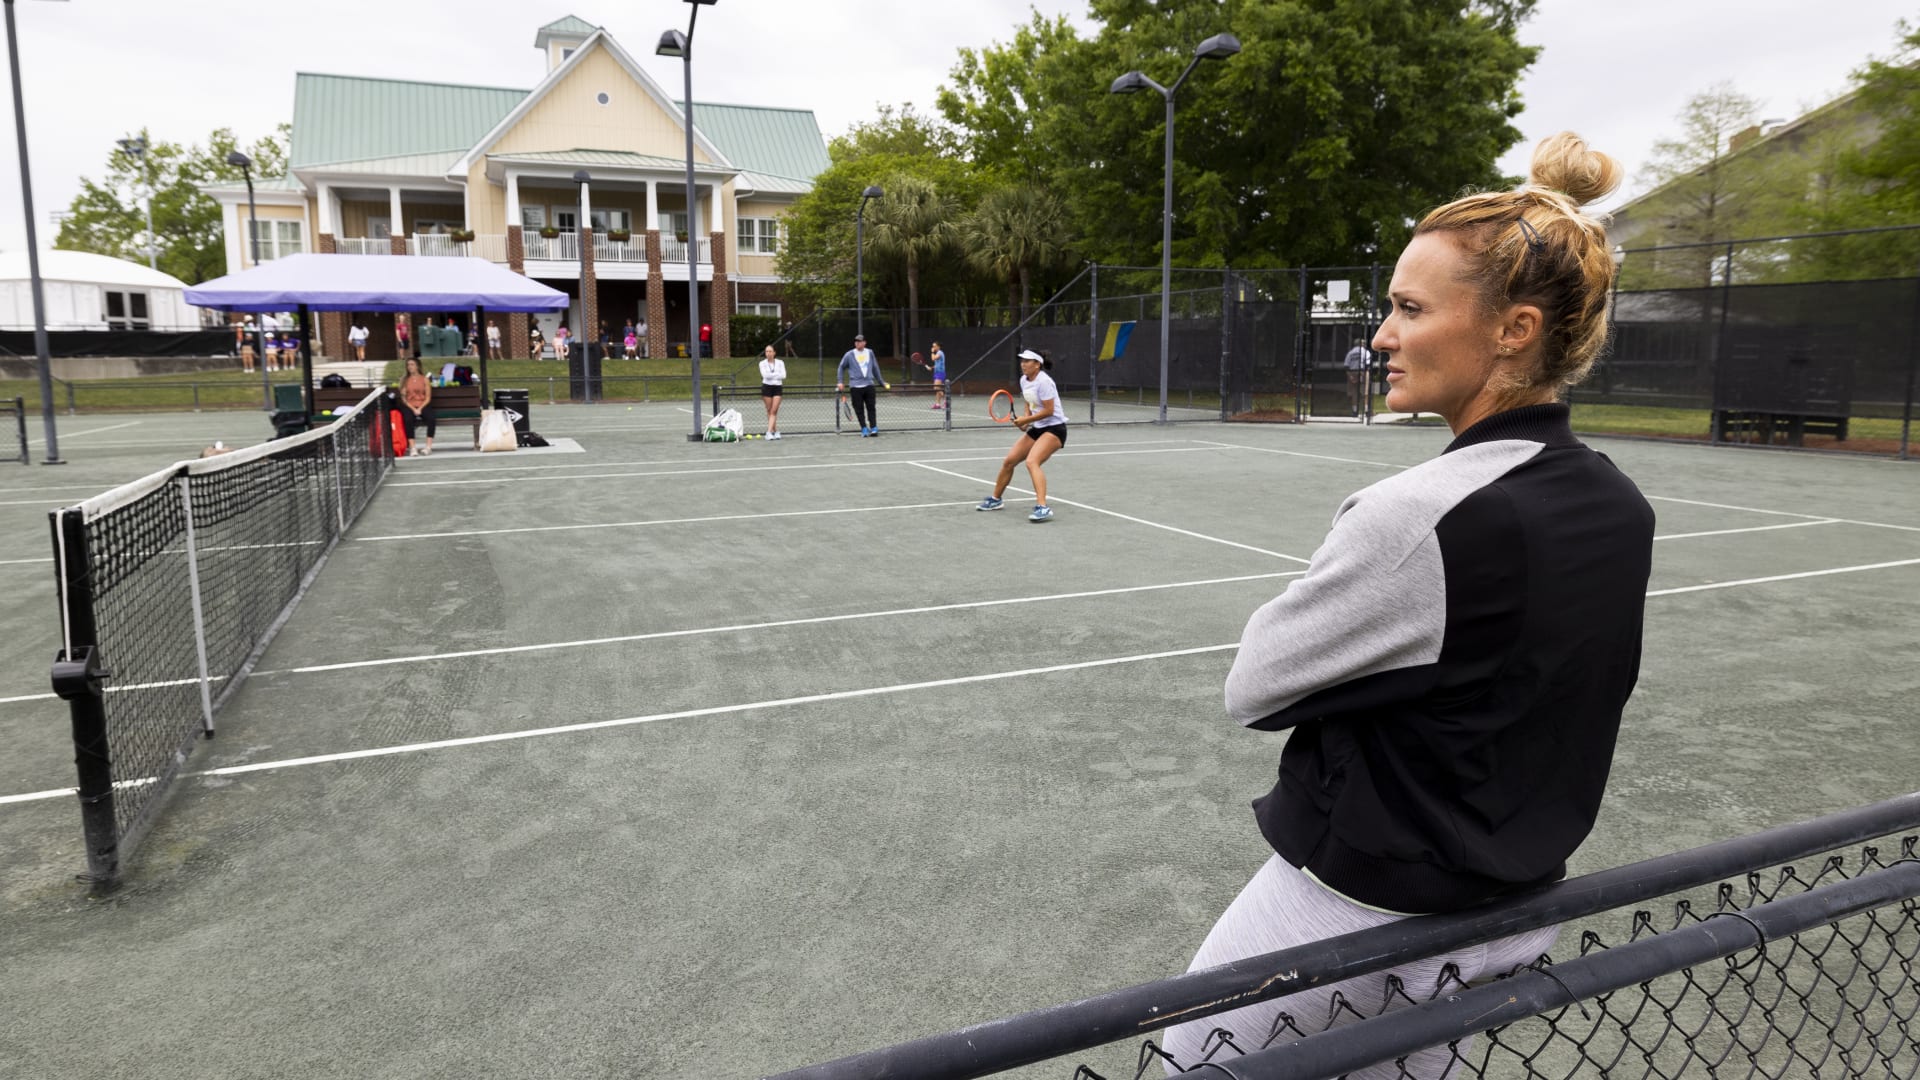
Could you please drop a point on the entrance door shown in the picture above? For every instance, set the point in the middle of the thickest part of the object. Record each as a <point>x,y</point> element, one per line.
<point>548,321</point>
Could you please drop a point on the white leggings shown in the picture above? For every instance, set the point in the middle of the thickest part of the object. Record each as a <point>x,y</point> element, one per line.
<point>1282,907</point>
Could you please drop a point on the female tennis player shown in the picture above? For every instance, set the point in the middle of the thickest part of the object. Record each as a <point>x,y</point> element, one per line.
<point>1453,665</point>
<point>416,393</point>
<point>773,376</point>
<point>1043,429</point>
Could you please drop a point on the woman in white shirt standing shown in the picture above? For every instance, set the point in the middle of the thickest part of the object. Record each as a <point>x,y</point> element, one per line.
<point>1042,431</point>
<point>773,375</point>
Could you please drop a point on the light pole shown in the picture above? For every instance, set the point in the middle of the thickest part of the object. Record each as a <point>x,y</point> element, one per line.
<point>245,164</point>
<point>859,260</point>
<point>674,43</point>
<point>33,253</point>
<point>1217,47</point>
<point>135,147</point>
<point>580,182</point>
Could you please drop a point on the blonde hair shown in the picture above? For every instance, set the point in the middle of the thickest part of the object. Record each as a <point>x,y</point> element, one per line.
<point>1533,245</point>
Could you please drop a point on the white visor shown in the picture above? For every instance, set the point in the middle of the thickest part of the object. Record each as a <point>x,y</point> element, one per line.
<point>1029,354</point>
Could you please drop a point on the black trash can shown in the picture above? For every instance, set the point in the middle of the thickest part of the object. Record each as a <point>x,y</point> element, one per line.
<point>519,410</point>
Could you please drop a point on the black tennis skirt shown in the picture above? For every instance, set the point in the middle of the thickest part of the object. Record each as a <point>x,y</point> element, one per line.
<point>768,389</point>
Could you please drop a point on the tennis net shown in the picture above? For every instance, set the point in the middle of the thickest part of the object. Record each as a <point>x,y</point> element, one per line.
<point>170,588</point>
<point>17,410</point>
<point>806,410</point>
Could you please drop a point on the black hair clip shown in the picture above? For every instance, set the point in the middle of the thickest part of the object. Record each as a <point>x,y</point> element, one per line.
<point>1535,242</point>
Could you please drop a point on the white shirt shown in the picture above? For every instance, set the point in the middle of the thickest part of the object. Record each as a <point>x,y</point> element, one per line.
<point>773,372</point>
<point>1041,390</point>
<point>493,335</point>
<point>357,336</point>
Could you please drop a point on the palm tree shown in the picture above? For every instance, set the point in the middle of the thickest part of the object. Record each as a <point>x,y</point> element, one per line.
<point>1016,230</point>
<point>914,220</point>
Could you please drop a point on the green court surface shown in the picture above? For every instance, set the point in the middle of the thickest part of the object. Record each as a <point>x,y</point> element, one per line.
<point>714,760</point>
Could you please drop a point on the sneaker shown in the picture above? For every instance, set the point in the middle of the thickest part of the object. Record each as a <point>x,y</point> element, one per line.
<point>773,435</point>
<point>873,432</point>
<point>990,503</point>
<point>426,451</point>
<point>1041,513</point>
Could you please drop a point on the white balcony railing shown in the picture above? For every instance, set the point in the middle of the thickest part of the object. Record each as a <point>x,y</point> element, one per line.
<point>562,248</point>
<point>620,251</point>
<point>435,244</point>
<point>673,251</point>
<point>363,245</point>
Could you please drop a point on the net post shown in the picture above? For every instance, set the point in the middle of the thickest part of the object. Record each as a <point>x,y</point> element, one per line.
<point>199,610</point>
<point>77,673</point>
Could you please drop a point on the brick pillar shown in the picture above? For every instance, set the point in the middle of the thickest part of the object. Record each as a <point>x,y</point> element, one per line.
<point>513,340</point>
<point>326,244</point>
<point>720,299</point>
<point>656,298</point>
<point>397,244</point>
<point>589,328</point>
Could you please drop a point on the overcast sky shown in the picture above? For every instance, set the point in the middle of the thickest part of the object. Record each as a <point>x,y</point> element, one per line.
<point>95,69</point>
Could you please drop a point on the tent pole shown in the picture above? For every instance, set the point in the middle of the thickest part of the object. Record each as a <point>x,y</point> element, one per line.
<point>306,361</point>
<point>480,344</point>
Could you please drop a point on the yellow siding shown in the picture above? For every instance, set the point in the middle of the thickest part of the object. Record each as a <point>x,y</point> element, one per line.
<point>569,117</point>
<point>757,265</point>
<point>487,202</point>
<point>354,214</point>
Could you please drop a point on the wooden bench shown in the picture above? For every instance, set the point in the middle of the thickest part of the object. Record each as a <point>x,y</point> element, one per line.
<point>452,404</point>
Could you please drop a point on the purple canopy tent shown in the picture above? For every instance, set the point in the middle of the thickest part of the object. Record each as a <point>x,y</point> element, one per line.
<point>308,283</point>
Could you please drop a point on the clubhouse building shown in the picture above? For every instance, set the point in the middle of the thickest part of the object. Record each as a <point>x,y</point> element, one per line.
<point>418,170</point>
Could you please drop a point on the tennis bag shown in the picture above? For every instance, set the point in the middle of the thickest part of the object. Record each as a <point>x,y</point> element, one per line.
<point>496,431</point>
<point>726,426</point>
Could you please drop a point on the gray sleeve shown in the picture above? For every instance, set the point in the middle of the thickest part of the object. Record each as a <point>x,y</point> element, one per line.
<point>840,373</point>
<point>1374,599</point>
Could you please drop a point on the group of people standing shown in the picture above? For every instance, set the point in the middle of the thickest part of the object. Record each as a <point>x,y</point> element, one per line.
<point>275,334</point>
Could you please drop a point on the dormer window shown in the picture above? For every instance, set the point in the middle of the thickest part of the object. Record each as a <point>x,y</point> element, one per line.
<point>566,52</point>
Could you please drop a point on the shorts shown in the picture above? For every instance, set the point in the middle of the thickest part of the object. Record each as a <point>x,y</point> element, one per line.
<point>768,389</point>
<point>1059,431</point>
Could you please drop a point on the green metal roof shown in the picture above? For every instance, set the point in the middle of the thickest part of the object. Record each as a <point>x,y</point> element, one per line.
<point>782,142</point>
<point>571,26</point>
<point>351,118</point>
<point>598,157</point>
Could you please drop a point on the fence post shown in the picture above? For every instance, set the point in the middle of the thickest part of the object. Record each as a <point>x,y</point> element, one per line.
<point>1093,354</point>
<point>196,397</point>
<point>1906,413</point>
<point>1719,358</point>
<point>70,405</point>
<point>77,672</point>
<point>26,457</point>
<point>1300,329</point>
<point>1226,335</point>
<point>1373,312</point>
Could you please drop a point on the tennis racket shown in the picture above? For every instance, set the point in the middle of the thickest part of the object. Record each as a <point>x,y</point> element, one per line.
<point>1000,407</point>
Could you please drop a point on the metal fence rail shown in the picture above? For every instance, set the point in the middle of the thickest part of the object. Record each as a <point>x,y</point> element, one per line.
<point>1844,996</point>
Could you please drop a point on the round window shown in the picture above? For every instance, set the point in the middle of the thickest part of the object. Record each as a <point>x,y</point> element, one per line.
<point>602,98</point>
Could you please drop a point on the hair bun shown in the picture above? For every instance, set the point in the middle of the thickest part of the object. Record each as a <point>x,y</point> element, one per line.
<point>1564,163</point>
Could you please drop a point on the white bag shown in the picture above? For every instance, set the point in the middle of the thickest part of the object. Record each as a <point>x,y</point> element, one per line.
<point>726,426</point>
<point>496,431</point>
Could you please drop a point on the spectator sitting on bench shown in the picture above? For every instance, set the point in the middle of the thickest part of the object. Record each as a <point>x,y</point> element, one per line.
<point>416,400</point>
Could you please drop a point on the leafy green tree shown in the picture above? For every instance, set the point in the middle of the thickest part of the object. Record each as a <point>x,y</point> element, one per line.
<point>912,222</point>
<point>1321,142</point>
<point>1015,231</point>
<point>110,216</point>
<point>817,259</point>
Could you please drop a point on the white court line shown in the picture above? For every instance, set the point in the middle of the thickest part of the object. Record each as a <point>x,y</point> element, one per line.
<point>1784,577</point>
<point>1124,517</point>
<point>98,430</point>
<point>660,521</point>
<point>503,650</point>
<point>776,468</point>
<point>628,721</point>
<point>908,450</point>
<point>1786,513</point>
<point>1749,529</point>
<point>1297,453</point>
<point>37,502</point>
<point>23,562</point>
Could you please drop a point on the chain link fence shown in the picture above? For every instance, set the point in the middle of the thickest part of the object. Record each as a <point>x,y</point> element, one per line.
<point>1794,952</point>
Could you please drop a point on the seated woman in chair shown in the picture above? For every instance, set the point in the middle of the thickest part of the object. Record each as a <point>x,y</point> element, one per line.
<point>416,400</point>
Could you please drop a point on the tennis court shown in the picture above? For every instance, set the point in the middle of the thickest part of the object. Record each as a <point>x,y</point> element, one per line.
<point>666,759</point>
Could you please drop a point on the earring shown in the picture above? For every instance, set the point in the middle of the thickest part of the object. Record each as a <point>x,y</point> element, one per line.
<point>1506,350</point>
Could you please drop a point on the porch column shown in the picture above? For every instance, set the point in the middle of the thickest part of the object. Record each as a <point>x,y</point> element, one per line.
<point>398,242</point>
<point>652,224</point>
<point>586,207</point>
<point>327,215</point>
<point>656,317</point>
<point>513,199</point>
<point>715,222</point>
